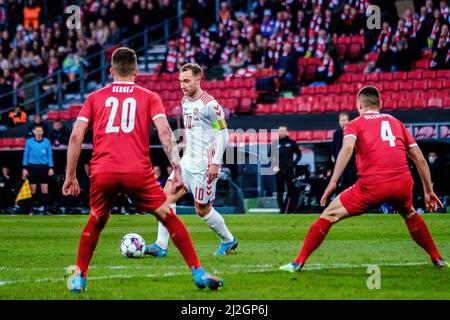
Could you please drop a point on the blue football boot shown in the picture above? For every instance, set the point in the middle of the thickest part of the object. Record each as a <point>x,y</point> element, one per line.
<point>155,250</point>
<point>226,247</point>
<point>203,279</point>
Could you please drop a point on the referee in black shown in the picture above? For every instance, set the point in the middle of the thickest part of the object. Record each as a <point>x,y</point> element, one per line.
<point>289,156</point>
<point>38,164</point>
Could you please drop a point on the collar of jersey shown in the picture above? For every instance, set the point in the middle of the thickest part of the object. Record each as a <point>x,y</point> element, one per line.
<point>199,97</point>
<point>371,112</point>
<point>123,82</point>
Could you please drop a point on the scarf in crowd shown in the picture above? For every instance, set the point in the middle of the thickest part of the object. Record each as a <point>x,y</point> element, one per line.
<point>314,25</point>
<point>444,11</point>
<point>226,54</point>
<point>171,60</point>
<point>435,30</point>
<point>325,62</point>
<point>204,41</point>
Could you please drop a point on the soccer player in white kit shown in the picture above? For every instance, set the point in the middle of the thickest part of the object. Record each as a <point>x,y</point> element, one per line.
<point>206,139</point>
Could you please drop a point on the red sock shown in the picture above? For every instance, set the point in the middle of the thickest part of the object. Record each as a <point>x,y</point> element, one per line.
<point>181,239</point>
<point>88,242</point>
<point>421,235</point>
<point>317,232</point>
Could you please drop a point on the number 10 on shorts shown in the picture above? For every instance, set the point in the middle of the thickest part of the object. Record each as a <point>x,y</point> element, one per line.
<point>199,192</point>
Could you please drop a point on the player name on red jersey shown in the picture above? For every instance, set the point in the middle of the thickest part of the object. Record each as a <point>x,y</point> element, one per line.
<point>122,89</point>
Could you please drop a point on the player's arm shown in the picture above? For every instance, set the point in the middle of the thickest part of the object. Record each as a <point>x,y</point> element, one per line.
<point>26,154</point>
<point>431,199</point>
<point>217,116</point>
<point>71,186</point>
<point>170,147</point>
<point>341,162</point>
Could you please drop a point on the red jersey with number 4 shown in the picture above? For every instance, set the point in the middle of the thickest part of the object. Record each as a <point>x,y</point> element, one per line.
<point>381,145</point>
<point>121,114</point>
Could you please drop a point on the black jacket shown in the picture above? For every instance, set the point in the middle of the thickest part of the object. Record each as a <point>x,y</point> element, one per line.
<point>287,149</point>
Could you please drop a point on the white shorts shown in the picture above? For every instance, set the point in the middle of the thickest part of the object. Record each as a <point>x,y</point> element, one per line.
<point>204,191</point>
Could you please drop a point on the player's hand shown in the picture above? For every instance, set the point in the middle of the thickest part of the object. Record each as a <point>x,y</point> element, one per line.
<point>213,171</point>
<point>432,201</point>
<point>71,187</point>
<point>51,172</point>
<point>24,174</point>
<point>327,193</point>
<point>276,169</point>
<point>177,181</point>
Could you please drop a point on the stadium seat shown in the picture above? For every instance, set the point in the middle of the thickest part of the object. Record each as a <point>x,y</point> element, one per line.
<point>321,90</point>
<point>355,50</point>
<point>318,107</point>
<point>443,74</point>
<point>53,115</point>
<point>334,89</point>
<point>427,95</point>
<point>404,104</point>
<point>419,104</point>
<point>429,74</point>
<point>347,106</point>
<point>310,72</point>
<point>308,90</point>
<point>420,85</point>
<point>351,68</point>
<point>434,84</point>
<point>320,135</point>
<point>415,75</point>
<point>405,85</point>
<point>422,64</point>
<point>276,108</point>
<point>7,143</point>
<point>345,77</point>
<point>400,75</point>
<point>290,107</point>
<point>373,77</point>
<point>18,143</point>
<point>348,88</point>
<point>304,107</point>
<point>426,132</point>
<point>446,84</point>
<point>246,105</point>
<point>332,106</point>
<point>386,76</point>
<point>446,103</point>
<point>435,103</point>
<point>390,104</point>
<point>330,134</point>
<point>358,77</point>
<point>390,86</point>
<point>373,56</point>
<point>303,136</point>
<point>444,132</point>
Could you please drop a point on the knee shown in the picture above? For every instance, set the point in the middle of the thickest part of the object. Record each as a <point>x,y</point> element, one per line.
<point>202,210</point>
<point>330,215</point>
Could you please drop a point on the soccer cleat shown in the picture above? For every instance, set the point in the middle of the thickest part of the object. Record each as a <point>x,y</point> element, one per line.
<point>155,250</point>
<point>203,279</point>
<point>291,267</point>
<point>225,248</point>
<point>441,264</point>
<point>75,280</point>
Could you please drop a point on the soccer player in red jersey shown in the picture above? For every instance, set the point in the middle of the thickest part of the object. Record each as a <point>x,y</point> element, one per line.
<point>382,145</point>
<point>121,114</point>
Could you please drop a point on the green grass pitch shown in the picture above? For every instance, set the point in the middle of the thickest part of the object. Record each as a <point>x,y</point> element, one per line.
<point>34,252</point>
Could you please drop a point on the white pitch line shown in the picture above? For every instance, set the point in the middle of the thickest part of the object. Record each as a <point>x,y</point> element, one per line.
<point>250,269</point>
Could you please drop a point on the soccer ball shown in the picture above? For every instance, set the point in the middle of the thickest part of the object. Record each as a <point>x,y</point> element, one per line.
<point>132,245</point>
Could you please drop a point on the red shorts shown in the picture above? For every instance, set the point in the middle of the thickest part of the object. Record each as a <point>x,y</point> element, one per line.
<point>362,197</point>
<point>143,190</point>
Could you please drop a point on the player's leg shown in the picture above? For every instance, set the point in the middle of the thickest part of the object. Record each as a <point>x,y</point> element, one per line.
<point>149,197</point>
<point>33,188</point>
<point>415,224</point>
<point>159,248</point>
<point>204,192</point>
<point>350,202</point>
<point>44,196</point>
<point>103,195</point>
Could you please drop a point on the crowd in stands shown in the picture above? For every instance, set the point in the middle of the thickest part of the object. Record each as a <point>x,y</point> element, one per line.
<point>34,45</point>
<point>276,33</point>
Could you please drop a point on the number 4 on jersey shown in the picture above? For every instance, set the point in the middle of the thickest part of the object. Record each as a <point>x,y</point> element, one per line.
<point>386,133</point>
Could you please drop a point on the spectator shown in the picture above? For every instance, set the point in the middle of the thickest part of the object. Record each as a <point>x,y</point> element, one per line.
<point>72,66</point>
<point>169,170</point>
<point>114,35</point>
<point>7,190</point>
<point>159,177</point>
<point>16,117</point>
<point>349,176</point>
<point>326,71</point>
<point>59,136</point>
<point>287,68</point>
<point>84,182</point>
<point>38,165</point>
<point>385,59</point>
<point>402,57</point>
<point>285,167</point>
<point>37,122</point>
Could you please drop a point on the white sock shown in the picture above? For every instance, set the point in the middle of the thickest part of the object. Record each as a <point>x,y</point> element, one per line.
<point>163,233</point>
<point>215,221</point>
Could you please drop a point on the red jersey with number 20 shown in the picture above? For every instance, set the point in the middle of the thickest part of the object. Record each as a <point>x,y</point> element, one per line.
<point>381,145</point>
<point>121,114</point>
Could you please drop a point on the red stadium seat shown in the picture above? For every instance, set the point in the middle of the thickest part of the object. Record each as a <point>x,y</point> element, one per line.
<point>303,136</point>
<point>276,108</point>
<point>405,85</point>
<point>422,64</point>
<point>246,105</point>
<point>332,106</point>
<point>330,134</point>
<point>290,107</point>
<point>304,107</point>
<point>386,76</point>
<point>346,77</point>
<point>351,68</point>
<point>390,104</point>
<point>390,86</point>
<point>318,107</point>
<point>334,89</point>
<point>419,104</point>
<point>435,103</point>
<point>7,143</point>
<point>400,75</point>
<point>397,96</point>
<point>404,104</point>
<point>426,132</point>
<point>420,85</point>
<point>310,72</point>
<point>373,77</point>
<point>355,50</point>
<point>446,84</point>
<point>347,106</point>
<point>415,75</point>
<point>443,74</point>
<point>322,90</point>
<point>434,84</point>
<point>348,88</point>
<point>320,135</point>
<point>373,56</point>
<point>308,90</point>
<point>429,74</point>
<point>446,103</point>
<point>427,95</point>
<point>53,115</point>
<point>358,77</point>
<point>18,143</point>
